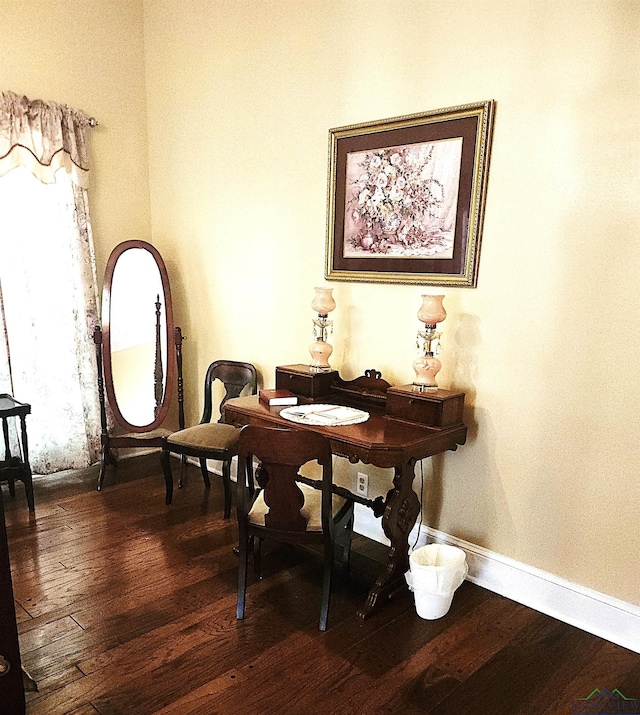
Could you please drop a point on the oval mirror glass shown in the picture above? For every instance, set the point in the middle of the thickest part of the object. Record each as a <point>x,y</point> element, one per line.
<point>138,325</point>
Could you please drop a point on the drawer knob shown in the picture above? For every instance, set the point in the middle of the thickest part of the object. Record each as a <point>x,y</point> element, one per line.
<point>5,666</point>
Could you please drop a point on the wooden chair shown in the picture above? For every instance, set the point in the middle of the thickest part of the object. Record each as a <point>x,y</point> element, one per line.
<point>208,440</point>
<point>285,508</point>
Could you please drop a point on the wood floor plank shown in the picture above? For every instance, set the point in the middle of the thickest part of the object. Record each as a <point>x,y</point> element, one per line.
<point>134,663</point>
<point>54,681</point>
<point>436,669</point>
<point>336,664</point>
<point>127,607</point>
<point>226,642</point>
<point>553,694</point>
<point>598,665</point>
<point>529,660</point>
<point>85,710</point>
<point>123,623</point>
<point>48,633</point>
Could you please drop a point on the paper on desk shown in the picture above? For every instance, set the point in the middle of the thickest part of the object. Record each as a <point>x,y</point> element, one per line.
<point>331,414</point>
<point>324,415</point>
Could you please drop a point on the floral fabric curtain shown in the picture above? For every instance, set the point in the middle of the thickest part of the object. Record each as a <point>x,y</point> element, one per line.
<point>48,301</point>
<point>43,137</point>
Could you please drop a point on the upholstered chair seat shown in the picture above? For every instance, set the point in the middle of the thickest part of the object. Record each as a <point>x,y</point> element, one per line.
<point>311,509</point>
<point>207,436</point>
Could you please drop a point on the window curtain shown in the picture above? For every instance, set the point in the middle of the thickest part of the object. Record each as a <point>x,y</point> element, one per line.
<point>48,302</point>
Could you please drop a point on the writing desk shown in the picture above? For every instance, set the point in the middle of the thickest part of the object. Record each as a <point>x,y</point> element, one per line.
<point>384,441</point>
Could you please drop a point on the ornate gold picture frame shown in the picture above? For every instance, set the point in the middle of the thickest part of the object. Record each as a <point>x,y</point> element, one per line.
<point>406,197</point>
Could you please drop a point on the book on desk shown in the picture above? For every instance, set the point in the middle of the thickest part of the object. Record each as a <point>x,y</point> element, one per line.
<point>277,397</point>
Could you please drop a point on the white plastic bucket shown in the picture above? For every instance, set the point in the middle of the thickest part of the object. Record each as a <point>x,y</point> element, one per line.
<point>436,571</point>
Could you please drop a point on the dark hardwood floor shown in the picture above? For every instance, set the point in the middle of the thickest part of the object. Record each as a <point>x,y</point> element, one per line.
<point>127,606</point>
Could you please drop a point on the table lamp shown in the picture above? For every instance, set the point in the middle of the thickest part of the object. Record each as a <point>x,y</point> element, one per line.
<point>427,365</point>
<point>322,303</point>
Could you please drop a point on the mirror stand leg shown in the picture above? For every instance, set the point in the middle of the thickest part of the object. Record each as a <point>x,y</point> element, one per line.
<point>106,457</point>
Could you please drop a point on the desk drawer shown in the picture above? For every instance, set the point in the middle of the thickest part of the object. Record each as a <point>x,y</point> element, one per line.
<point>441,408</point>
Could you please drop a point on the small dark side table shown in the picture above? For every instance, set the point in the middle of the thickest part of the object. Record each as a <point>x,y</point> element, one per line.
<point>12,468</point>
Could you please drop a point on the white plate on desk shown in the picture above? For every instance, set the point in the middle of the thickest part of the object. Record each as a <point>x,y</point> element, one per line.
<point>324,415</point>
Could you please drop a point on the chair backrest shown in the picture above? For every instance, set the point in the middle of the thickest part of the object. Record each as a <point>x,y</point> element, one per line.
<point>235,376</point>
<point>281,453</point>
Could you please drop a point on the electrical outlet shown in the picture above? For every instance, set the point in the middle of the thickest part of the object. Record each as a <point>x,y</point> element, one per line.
<point>362,485</point>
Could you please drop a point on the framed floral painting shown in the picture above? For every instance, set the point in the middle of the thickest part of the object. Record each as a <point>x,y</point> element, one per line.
<point>407,196</point>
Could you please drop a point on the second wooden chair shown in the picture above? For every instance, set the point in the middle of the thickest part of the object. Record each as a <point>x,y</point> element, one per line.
<point>208,440</point>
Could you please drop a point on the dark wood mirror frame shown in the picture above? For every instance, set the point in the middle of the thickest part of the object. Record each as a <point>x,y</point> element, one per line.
<point>115,256</point>
<point>152,434</point>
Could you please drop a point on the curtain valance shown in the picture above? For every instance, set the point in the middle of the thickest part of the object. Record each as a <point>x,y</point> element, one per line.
<point>44,137</point>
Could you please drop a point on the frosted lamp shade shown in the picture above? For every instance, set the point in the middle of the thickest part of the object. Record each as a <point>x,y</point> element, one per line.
<point>432,311</point>
<point>323,301</point>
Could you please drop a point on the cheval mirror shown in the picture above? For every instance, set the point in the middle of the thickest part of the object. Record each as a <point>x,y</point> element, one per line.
<point>139,353</point>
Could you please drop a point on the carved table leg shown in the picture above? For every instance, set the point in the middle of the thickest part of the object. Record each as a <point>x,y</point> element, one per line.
<point>399,517</point>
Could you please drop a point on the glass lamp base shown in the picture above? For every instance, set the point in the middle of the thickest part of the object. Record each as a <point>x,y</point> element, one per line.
<point>426,368</point>
<point>320,354</point>
<point>424,388</point>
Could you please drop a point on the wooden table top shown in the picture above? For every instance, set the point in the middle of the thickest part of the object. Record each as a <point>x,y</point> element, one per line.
<point>382,440</point>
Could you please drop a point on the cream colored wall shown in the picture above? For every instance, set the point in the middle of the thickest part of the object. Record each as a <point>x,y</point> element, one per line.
<point>89,55</point>
<point>240,99</point>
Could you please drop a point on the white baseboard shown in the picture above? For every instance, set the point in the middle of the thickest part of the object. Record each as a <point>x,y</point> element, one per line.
<point>584,608</point>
